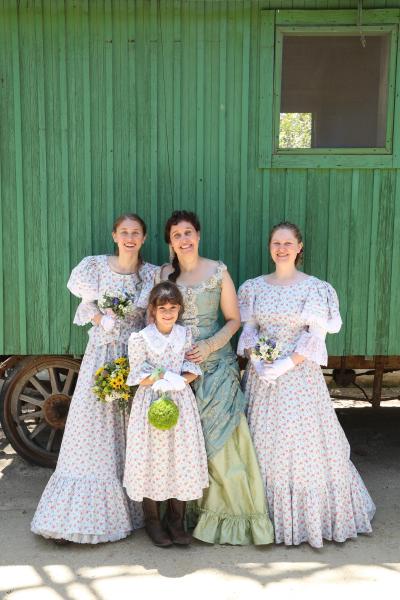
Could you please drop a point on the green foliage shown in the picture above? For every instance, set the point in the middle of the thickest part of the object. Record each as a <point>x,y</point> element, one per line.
<point>295,130</point>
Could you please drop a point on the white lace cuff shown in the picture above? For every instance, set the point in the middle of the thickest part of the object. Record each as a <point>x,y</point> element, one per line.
<point>85,313</point>
<point>248,338</point>
<point>190,367</point>
<point>311,345</point>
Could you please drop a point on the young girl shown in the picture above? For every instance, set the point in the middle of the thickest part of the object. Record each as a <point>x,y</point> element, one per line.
<point>164,464</point>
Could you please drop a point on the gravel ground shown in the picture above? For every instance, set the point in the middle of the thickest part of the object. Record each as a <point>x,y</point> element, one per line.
<point>32,568</point>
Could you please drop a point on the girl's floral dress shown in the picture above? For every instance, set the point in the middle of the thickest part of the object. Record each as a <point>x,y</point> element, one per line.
<point>84,500</point>
<point>313,490</point>
<point>171,463</point>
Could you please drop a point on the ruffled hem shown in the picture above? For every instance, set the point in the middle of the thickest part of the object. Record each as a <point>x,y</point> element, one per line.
<point>83,510</point>
<point>328,513</point>
<point>218,528</point>
<point>79,538</point>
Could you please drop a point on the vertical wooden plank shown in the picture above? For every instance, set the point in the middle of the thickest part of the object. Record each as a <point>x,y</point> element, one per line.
<point>109,111</point>
<point>19,192</point>
<point>338,245</point>
<point>383,260</point>
<point>394,312</point>
<point>200,29</point>
<point>266,221</point>
<point>316,229</point>
<point>243,200</point>
<point>371,324</point>
<point>359,232</point>
<point>267,57</point>
<point>154,223</point>
<point>295,197</point>
<point>222,132</point>
<point>2,344</point>
<point>178,93</point>
<point>42,278</point>
<point>132,108</point>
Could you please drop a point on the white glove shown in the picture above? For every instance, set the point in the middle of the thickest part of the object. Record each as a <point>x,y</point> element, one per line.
<point>176,380</point>
<point>258,364</point>
<point>271,372</point>
<point>107,322</point>
<point>161,385</point>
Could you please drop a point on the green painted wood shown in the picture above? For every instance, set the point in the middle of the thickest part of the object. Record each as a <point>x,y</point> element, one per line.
<point>359,258</point>
<point>21,299</point>
<point>393,314</point>
<point>109,106</point>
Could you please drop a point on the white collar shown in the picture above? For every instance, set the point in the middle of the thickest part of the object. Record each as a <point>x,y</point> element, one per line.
<point>159,342</point>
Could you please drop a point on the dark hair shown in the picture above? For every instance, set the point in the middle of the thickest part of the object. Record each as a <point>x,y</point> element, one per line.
<point>130,217</point>
<point>166,292</point>
<point>177,217</point>
<point>296,232</point>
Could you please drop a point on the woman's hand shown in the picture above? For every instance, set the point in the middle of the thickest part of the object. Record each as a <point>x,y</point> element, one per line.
<point>199,352</point>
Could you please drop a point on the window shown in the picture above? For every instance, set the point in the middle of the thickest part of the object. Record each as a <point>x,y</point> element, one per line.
<point>333,89</point>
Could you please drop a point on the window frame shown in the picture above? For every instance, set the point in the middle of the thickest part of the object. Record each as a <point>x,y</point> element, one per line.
<point>274,24</point>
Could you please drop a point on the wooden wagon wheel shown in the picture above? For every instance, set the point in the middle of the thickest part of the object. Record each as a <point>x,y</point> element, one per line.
<point>34,405</point>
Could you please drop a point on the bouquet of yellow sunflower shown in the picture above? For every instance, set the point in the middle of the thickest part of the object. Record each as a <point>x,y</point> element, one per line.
<point>110,383</point>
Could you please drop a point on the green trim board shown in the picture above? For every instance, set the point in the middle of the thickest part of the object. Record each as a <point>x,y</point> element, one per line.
<point>317,22</point>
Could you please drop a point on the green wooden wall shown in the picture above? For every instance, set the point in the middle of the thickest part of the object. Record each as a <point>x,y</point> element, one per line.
<point>108,106</point>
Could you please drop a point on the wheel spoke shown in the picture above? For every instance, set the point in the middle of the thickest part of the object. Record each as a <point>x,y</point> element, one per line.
<point>36,384</point>
<point>34,414</point>
<point>68,382</point>
<point>38,429</point>
<point>50,441</point>
<point>30,400</point>
<point>54,380</point>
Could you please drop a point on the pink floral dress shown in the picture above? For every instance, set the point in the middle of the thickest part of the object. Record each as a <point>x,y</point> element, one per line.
<point>172,463</point>
<point>84,500</point>
<point>313,490</point>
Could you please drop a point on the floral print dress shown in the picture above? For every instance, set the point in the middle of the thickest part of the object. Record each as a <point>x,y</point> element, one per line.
<point>172,463</point>
<point>84,500</point>
<point>313,490</point>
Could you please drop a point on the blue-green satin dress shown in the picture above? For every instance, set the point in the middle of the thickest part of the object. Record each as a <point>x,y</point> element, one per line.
<point>233,509</point>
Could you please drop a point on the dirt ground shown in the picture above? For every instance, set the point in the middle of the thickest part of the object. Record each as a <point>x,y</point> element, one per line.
<point>32,568</point>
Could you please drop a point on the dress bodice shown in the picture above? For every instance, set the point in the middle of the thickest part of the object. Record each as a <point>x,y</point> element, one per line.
<point>202,304</point>
<point>283,313</point>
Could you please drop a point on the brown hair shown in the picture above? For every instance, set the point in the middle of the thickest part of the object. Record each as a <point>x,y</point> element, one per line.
<point>130,217</point>
<point>296,232</point>
<point>177,217</point>
<point>165,292</point>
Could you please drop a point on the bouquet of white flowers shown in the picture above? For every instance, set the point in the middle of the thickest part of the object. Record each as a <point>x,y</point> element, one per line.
<point>119,304</point>
<point>266,350</point>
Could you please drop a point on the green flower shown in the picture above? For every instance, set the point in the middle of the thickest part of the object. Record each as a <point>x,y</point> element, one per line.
<point>163,413</point>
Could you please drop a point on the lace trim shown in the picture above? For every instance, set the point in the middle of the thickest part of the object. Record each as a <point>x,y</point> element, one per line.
<point>248,338</point>
<point>312,347</point>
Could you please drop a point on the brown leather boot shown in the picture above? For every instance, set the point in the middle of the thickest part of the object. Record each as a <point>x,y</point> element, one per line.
<point>152,524</point>
<point>174,522</point>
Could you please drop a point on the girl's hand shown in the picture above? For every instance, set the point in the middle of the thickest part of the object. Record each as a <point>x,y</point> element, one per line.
<point>199,353</point>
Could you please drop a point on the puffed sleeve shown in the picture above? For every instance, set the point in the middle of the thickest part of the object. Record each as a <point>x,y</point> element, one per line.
<point>321,316</point>
<point>147,274</point>
<point>187,365</point>
<point>139,367</point>
<point>84,283</point>
<point>249,336</point>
